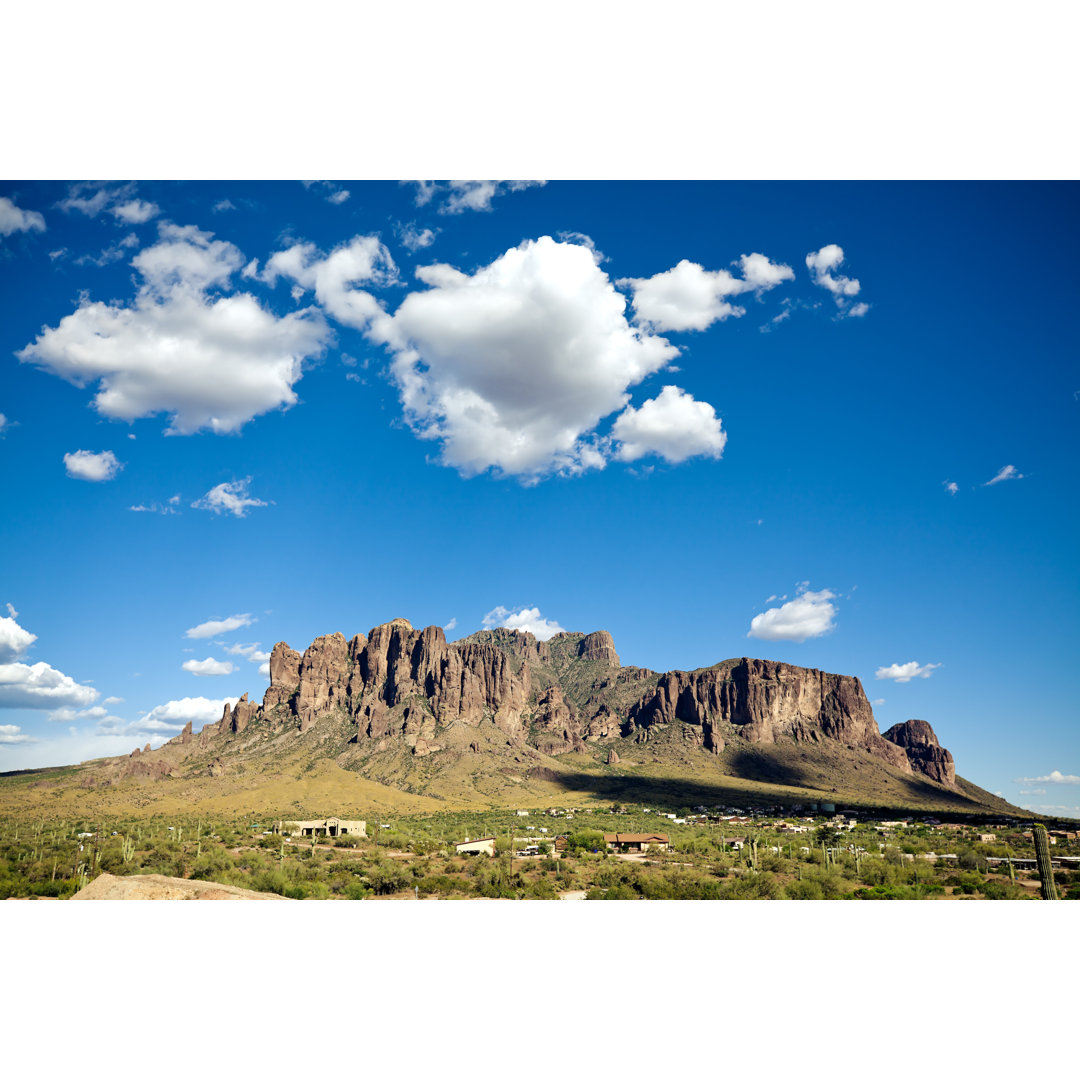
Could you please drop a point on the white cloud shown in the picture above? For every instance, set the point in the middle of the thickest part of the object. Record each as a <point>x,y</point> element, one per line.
<point>905,672</point>
<point>264,669</point>
<point>252,653</point>
<point>178,712</point>
<point>673,425</point>
<point>363,260</point>
<point>415,238</point>
<point>219,626</point>
<point>451,624</point>
<point>4,424</point>
<point>1034,791</point>
<point>1008,472</point>
<point>821,265</point>
<point>209,666</point>
<point>209,362</point>
<point>951,486</point>
<point>513,366</point>
<point>528,620</point>
<point>86,465</point>
<point>330,191</point>
<point>1054,777</point>
<point>135,211</point>
<point>93,196</point>
<point>158,508</point>
<point>39,686</point>
<point>457,196</point>
<point>810,614</point>
<point>14,219</point>
<point>14,640</point>
<point>12,733</point>
<point>222,205</point>
<point>689,297</point>
<point>878,701</point>
<point>230,497</point>
<point>112,701</point>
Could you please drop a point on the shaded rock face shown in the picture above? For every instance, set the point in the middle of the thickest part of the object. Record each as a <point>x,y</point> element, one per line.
<point>763,700</point>
<point>399,682</point>
<point>924,751</point>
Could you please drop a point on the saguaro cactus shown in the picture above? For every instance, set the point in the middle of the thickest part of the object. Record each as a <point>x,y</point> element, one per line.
<point>1042,861</point>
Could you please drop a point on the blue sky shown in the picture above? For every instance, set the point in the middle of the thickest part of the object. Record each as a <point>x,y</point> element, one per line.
<point>830,423</point>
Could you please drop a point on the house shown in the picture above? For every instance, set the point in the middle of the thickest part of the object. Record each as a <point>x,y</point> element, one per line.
<point>523,813</point>
<point>987,838</point>
<point>326,827</point>
<point>484,846</point>
<point>636,841</point>
<point>737,842</point>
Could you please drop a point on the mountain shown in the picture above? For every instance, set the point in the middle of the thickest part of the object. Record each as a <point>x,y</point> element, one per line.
<point>500,717</point>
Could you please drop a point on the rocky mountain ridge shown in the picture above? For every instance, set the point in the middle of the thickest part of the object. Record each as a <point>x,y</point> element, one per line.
<point>401,686</point>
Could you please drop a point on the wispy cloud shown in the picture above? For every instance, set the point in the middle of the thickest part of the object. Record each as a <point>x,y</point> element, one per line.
<point>1007,472</point>
<point>905,672</point>
<point>1053,777</point>
<point>213,627</point>
<point>230,498</point>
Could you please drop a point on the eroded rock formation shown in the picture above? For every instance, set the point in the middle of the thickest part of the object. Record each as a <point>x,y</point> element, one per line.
<point>556,695</point>
<point>923,750</point>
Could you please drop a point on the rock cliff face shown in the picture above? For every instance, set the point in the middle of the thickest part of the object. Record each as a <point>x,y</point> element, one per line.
<point>923,750</point>
<point>558,695</point>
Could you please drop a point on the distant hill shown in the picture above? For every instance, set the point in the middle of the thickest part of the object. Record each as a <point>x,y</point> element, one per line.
<point>401,719</point>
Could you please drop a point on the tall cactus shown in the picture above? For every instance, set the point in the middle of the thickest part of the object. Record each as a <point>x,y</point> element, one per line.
<point>1042,860</point>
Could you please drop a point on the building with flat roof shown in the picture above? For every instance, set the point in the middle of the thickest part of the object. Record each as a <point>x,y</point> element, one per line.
<point>323,827</point>
<point>636,841</point>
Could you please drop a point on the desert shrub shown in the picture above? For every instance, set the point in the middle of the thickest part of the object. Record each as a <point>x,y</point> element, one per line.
<point>804,890</point>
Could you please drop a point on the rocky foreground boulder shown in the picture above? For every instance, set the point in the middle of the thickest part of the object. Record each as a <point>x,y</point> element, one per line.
<point>560,695</point>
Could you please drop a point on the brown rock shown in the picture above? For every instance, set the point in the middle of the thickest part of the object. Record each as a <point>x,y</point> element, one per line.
<point>612,757</point>
<point>599,646</point>
<point>923,750</point>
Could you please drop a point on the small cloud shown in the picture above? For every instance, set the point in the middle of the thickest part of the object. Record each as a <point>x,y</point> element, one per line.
<point>59,253</point>
<point>527,620</point>
<point>229,498</point>
<point>810,614</point>
<point>878,701</point>
<point>135,212</point>
<point>451,624</point>
<point>415,238</point>
<point>12,733</point>
<point>951,486</point>
<point>1054,777</point>
<point>457,196</point>
<point>13,219</point>
<point>113,701</point>
<point>905,672</point>
<point>331,191</point>
<point>1008,472</point>
<point>1034,791</point>
<point>219,626</point>
<point>12,612</point>
<point>209,666</point>
<point>821,265</point>
<point>86,465</point>
<point>223,205</point>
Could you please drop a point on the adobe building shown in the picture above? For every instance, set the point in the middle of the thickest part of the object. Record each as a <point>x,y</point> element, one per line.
<point>326,827</point>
